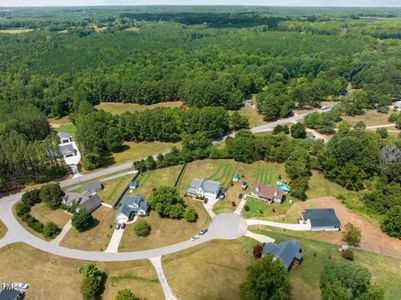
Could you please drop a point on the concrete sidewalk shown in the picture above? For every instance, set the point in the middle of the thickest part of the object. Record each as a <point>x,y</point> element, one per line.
<point>295,227</point>
<point>62,234</point>
<point>157,264</point>
<point>259,237</point>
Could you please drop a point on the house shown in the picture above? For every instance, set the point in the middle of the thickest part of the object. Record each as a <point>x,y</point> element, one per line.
<point>236,177</point>
<point>64,137</point>
<point>67,150</point>
<point>130,206</point>
<point>132,185</point>
<point>288,252</point>
<point>9,294</point>
<point>267,193</point>
<point>321,219</point>
<point>92,187</point>
<point>85,200</point>
<point>205,188</point>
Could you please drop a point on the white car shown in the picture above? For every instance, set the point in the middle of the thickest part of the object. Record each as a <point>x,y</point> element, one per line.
<point>194,238</point>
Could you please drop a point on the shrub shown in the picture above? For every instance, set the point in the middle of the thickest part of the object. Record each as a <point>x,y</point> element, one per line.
<point>257,251</point>
<point>31,197</point>
<point>298,131</point>
<point>352,234</point>
<point>51,230</point>
<point>246,207</point>
<point>22,208</point>
<point>382,132</point>
<point>34,224</point>
<point>190,215</point>
<point>82,219</point>
<point>393,117</point>
<point>142,228</point>
<point>348,254</point>
<point>92,282</point>
<point>125,294</point>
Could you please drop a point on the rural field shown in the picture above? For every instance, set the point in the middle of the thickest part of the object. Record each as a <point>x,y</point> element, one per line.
<point>96,238</point>
<point>118,108</point>
<point>113,188</point>
<point>213,270</point>
<point>370,118</point>
<point>305,278</point>
<point>54,277</point>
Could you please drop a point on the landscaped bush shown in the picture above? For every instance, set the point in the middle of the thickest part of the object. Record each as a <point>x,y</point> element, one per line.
<point>82,219</point>
<point>246,207</point>
<point>190,215</point>
<point>257,250</point>
<point>352,234</point>
<point>348,254</point>
<point>22,208</point>
<point>92,282</point>
<point>51,230</point>
<point>142,228</point>
<point>125,294</point>
<point>31,197</point>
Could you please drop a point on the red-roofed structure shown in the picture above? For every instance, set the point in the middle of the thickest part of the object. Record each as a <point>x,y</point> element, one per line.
<point>267,193</point>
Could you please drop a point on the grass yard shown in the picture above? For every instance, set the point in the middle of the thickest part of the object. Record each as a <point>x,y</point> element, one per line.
<point>44,214</point>
<point>56,122</point>
<point>164,231</point>
<point>152,179</point>
<point>254,117</point>
<point>67,128</point>
<point>138,150</point>
<point>117,108</point>
<point>306,277</point>
<point>370,118</point>
<point>261,210</point>
<point>213,270</point>
<point>3,230</point>
<point>95,239</point>
<point>53,277</point>
<point>112,188</point>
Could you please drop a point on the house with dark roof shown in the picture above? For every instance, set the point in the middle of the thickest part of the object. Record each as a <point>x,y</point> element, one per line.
<point>288,252</point>
<point>9,294</point>
<point>321,219</point>
<point>64,137</point>
<point>267,193</point>
<point>85,200</point>
<point>92,187</point>
<point>130,206</point>
<point>204,188</point>
<point>67,150</point>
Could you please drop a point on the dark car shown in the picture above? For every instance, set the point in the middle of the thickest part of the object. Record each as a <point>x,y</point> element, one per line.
<point>205,201</point>
<point>203,231</point>
<point>123,225</point>
<point>118,226</point>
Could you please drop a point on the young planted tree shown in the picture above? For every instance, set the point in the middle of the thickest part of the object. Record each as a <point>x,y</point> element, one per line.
<point>92,282</point>
<point>352,234</point>
<point>190,215</point>
<point>142,228</point>
<point>51,230</point>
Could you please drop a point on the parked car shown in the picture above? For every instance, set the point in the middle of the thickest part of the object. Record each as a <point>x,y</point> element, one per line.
<point>118,226</point>
<point>123,225</point>
<point>203,231</point>
<point>194,238</point>
<point>205,201</point>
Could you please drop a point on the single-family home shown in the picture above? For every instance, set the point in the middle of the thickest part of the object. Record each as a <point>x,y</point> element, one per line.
<point>288,252</point>
<point>9,294</point>
<point>130,206</point>
<point>205,188</point>
<point>92,187</point>
<point>67,150</point>
<point>64,137</point>
<point>85,200</point>
<point>324,219</point>
<point>267,193</point>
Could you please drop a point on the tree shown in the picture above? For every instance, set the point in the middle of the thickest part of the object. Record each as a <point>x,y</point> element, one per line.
<point>113,139</point>
<point>190,215</point>
<point>31,197</point>
<point>51,230</point>
<point>257,251</point>
<point>150,163</point>
<point>273,106</point>
<point>266,279</point>
<point>382,132</point>
<point>52,195</point>
<point>392,222</point>
<point>92,161</point>
<point>238,121</point>
<point>242,146</point>
<point>298,131</point>
<point>82,219</point>
<point>22,208</point>
<point>336,291</point>
<point>142,228</point>
<point>92,282</point>
<point>299,187</point>
<point>281,129</point>
<point>352,277</point>
<point>125,294</point>
<point>352,234</point>
<point>167,202</point>
<point>375,293</point>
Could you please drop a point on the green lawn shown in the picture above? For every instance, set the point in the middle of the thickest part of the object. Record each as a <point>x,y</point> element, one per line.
<point>305,278</point>
<point>67,128</point>
<point>261,210</point>
<point>3,230</point>
<point>113,188</point>
<point>370,118</point>
<point>117,108</point>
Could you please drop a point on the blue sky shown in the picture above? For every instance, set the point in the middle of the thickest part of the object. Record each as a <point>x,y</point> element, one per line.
<point>365,3</point>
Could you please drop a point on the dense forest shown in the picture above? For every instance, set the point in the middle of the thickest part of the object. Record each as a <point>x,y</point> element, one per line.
<point>211,59</point>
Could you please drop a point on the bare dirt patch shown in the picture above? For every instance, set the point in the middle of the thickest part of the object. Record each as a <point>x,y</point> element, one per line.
<point>373,239</point>
<point>16,31</point>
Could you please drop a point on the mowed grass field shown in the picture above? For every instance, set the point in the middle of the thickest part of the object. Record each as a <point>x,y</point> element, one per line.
<point>305,278</point>
<point>44,214</point>
<point>112,188</point>
<point>96,238</point>
<point>370,118</point>
<point>54,277</point>
<point>117,108</point>
<point>213,270</point>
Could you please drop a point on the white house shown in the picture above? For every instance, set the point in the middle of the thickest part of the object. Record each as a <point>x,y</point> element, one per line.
<point>321,219</point>
<point>69,151</point>
<point>204,188</point>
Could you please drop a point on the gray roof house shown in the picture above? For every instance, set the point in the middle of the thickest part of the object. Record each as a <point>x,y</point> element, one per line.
<point>204,188</point>
<point>289,252</point>
<point>92,187</point>
<point>67,150</point>
<point>132,185</point>
<point>84,200</point>
<point>9,294</point>
<point>129,206</point>
<point>64,137</point>
<point>321,219</point>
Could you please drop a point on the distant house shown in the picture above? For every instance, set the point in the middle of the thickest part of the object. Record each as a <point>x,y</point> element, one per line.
<point>67,150</point>
<point>321,219</point>
<point>397,106</point>
<point>267,193</point>
<point>205,188</point>
<point>64,137</point>
<point>131,206</point>
<point>92,187</point>
<point>288,252</point>
<point>9,294</point>
<point>85,200</point>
